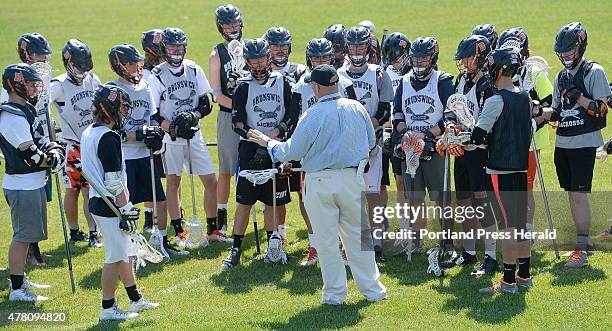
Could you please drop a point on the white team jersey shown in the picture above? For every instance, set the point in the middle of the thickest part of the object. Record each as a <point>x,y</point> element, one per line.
<point>73,104</point>
<point>307,93</point>
<point>42,108</point>
<point>92,165</point>
<point>143,107</point>
<point>366,87</point>
<point>177,90</point>
<point>395,77</point>
<point>265,105</point>
<point>422,109</point>
<point>472,103</point>
<point>291,69</point>
<point>146,73</point>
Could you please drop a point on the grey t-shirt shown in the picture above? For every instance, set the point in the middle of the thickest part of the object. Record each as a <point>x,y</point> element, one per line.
<point>597,84</point>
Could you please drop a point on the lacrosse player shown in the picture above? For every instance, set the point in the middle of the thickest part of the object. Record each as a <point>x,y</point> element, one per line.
<point>27,154</point>
<point>223,81</point>
<point>103,162</point>
<point>488,31</point>
<point>279,40</point>
<point>505,126</point>
<point>471,180</point>
<point>418,115</point>
<point>318,51</point>
<point>261,101</point>
<point>32,48</point>
<point>579,105</point>
<point>71,93</point>
<point>179,89</point>
<point>139,135</point>
<point>373,89</point>
<point>336,33</point>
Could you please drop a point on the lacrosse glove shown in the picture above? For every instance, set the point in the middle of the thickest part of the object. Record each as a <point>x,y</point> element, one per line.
<point>129,218</point>
<point>568,88</point>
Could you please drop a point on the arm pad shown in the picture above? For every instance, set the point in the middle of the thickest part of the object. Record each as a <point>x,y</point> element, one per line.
<point>383,113</point>
<point>33,156</point>
<point>597,108</point>
<point>113,182</point>
<point>204,108</point>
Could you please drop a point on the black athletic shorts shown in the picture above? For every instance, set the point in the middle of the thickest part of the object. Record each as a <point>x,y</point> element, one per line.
<point>575,168</point>
<point>385,180</point>
<point>159,165</point>
<point>139,181</point>
<point>396,166</point>
<point>254,157</point>
<point>295,180</point>
<point>511,195</point>
<point>470,174</point>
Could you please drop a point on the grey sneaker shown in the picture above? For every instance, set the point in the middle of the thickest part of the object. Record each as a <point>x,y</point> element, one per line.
<point>524,282</point>
<point>578,259</point>
<point>501,287</point>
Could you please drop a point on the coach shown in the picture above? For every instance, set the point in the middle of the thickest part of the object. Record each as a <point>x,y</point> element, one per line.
<point>332,141</point>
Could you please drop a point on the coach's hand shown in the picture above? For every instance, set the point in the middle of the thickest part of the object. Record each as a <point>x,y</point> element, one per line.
<point>129,218</point>
<point>258,137</point>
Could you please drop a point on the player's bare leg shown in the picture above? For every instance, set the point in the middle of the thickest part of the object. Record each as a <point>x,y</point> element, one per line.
<point>241,221</point>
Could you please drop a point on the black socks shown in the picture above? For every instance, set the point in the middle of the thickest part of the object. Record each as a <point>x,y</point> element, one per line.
<point>177,225</point>
<point>211,225</point>
<point>523,267</point>
<point>509,273</point>
<point>133,293</point>
<point>16,281</point>
<point>237,240</point>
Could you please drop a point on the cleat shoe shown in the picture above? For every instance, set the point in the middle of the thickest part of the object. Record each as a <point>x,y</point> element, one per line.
<point>433,257</point>
<point>94,242</point>
<point>378,254</point>
<point>501,287</point>
<point>219,236</point>
<point>578,259</point>
<point>232,260</point>
<point>35,258</point>
<point>23,294</point>
<point>344,258</point>
<point>181,239</point>
<point>142,304</point>
<point>78,236</point>
<point>487,266</point>
<point>524,282</point>
<point>310,258</point>
<point>222,220</point>
<point>148,223</point>
<point>459,259</point>
<point>115,314</point>
<point>171,250</point>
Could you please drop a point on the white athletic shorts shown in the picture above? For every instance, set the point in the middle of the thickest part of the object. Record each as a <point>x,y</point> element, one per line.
<point>118,245</point>
<point>176,158</point>
<point>373,176</point>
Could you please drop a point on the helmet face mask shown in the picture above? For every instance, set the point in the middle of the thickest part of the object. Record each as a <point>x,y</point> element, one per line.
<point>314,61</point>
<point>34,58</point>
<point>570,44</point>
<point>231,31</point>
<point>280,54</point>
<point>229,22</point>
<point>421,65</point>
<point>358,54</point>
<point>175,54</point>
<point>132,71</point>
<point>260,68</point>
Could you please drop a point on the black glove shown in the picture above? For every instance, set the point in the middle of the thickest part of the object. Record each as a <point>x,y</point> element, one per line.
<point>55,160</point>
<point>129,218</point>
<point>567,88</point>
<point>154,140</point>
<point>186,133</point>
<point>53,146</point>
<point>186,119</point>
<point>173,131</point>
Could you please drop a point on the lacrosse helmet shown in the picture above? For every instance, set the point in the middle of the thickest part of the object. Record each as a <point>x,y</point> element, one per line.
<point>319,48</point>
<point>113,103</point>
<point>15,79</point>
<point>278,37</point>
<point>255,49</point>
<point>395,50</point>
<point>126,61</point>
<point>476,47</point>
<point>152,43</point>
<point>505,61</point>
<point>77,60</point>
<point>487,30</point>
<point>423,47</point>
<point>175,38</point>
<point>517,33</point>
<point>355,37</point>
<point>33,47</point>
<point>336,33</point>
<point>229,15</point>
<point>571,37</point>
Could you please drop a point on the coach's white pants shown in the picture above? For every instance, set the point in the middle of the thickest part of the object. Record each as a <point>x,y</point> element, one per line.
<point>334,205</point>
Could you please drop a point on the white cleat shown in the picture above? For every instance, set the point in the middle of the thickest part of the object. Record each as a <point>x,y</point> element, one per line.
<point>115,314</point>
<point>142,304</point>
<point>23,294</point>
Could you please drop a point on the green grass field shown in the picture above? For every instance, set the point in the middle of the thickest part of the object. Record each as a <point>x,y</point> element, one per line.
<point>192,291</point>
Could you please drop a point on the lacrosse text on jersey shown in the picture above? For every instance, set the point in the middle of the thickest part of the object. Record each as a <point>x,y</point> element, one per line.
<point>422,109</point>
<point>265,107</point>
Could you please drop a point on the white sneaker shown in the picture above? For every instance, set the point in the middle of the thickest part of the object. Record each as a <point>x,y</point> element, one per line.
<point>23,294</point>
<point>115,314</point>
<point>142,304</point>
<point>28,284</point>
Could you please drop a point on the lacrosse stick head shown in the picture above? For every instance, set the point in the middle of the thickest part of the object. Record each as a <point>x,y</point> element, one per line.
<point>275,252</point>
<point>195,234</point>
<point>457,103</point>
<point>145,252</point>
<point>533,68</point>
<point>258,177</point>
<point>413,155</point>
<point>235,50</point>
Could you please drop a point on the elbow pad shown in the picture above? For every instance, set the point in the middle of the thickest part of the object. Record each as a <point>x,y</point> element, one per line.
<point>113,182</point>
<point>33,156</point>
<point>479,136</point>
<point>204,108</point>
<point>383,113</point>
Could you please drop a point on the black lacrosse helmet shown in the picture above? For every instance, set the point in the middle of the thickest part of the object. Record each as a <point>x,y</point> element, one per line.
<point>517,33</point>
<point>152,43</point>
<point>319,47</point>
<point>477,46</point>
<point>77,60</point>
<point>358,35</point>
<point>504,61</point>
<point>572,36</point>
<point>113,102</point>
<point>488,31</point>
<point>15,77</point>
<point>228,14</point>
<point>120,55</point>
<point>31,44</point>
<point>279,36</point>
<point>336,33</point>
<point>424,47</point>
<point>255,49</point>
<point>394,48</point>
<point>173,36</point>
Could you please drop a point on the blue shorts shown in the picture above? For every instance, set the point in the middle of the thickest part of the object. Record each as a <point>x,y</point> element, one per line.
<point>139,181</point>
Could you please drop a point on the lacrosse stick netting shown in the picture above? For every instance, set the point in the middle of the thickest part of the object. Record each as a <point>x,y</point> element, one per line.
<point>413,155</point>
<point>533,68</point>
<point>234,48</point>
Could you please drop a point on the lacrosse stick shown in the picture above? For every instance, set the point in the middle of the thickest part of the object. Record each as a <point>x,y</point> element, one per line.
<point>156,237</point>
<point>603,150</point>
<point>383,65</point>
<point>257,243</point>
<point>533,68</point>
<point>551,225</point>
<point>413,156</point>
<point>144,251</point>
<point>44,71</point>
<point>195,233</point>
<point>234,48</point>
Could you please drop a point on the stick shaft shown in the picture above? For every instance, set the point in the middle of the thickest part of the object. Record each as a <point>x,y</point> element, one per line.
<point>153,188</point>
<point>193,205</point>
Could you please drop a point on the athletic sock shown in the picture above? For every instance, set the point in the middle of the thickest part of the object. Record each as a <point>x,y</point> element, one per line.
<point>523,267</point>
<point>509,273</point>
<point>222,206</point>
<point>211,225</point>
<point>269,234</point>
<point>133,293</point>
<point>238,240</point>
<point>108,303</point>
<point>582,241</point>
<point>177,225</point>
<point>16,281</point>
<point>148,210</point>
<point>164,232</point>
<point>74,232</point>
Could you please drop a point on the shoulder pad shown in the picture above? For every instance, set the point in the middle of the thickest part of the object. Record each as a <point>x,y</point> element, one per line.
<point>157,70</point>
<point>10,108</point>
<point>588,65</point>
<point>445,75</point>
